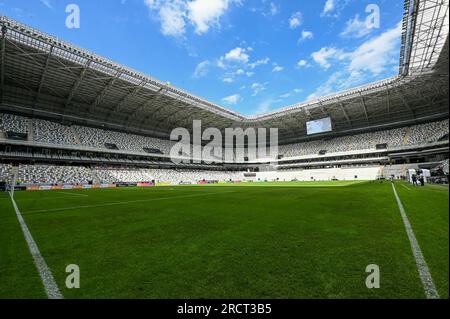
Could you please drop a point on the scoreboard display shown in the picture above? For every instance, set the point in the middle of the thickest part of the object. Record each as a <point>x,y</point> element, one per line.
<point>319,126</point>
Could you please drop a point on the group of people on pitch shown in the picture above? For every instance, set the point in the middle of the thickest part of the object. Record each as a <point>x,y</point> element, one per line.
<point>418,180</point>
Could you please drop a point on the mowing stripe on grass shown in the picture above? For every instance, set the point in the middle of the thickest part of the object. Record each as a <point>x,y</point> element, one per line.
<point>424,272</point>
<point>121,203</point>
<point>51,288</point>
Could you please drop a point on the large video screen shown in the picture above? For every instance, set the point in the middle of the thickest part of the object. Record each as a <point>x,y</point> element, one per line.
<point>319,126</point>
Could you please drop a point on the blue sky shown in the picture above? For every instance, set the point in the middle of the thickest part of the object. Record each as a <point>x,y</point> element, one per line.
<point>251,56</point>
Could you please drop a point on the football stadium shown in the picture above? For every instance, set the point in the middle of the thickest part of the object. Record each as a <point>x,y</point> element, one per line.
<point>99,200</point>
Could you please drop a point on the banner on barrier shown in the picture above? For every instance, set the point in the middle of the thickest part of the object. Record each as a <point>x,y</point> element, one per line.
<point>77,186</point>
<point>145,184</point>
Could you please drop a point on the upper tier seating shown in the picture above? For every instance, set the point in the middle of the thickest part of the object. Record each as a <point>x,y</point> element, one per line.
<point>13,123</point>
<point>429,132</point>
<point>129,142</point>
<point>50,132</point>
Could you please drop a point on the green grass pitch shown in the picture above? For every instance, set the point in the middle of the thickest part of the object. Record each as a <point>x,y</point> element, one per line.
<point>268,240</point>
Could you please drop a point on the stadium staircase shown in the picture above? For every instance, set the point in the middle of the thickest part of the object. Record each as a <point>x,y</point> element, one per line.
<point>30,130</point>
<point>407,135</point>
<point>397,170</point>
<point>349,147</point>
<point>96,179</point>
<point>76,136</point>
<point>381,173</point>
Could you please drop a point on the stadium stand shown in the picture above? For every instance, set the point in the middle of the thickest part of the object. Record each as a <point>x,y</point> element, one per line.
<point>327,174</point>
<point>163,175</point>
<point>50,132</point>
<point>5,172</point>
<point>58,175</point>
<point>420,134</point>
<point>13,123</point>
<point>430,132</point>
<point>129,142</point>
<point>51,174</point>
<point>445,166</point>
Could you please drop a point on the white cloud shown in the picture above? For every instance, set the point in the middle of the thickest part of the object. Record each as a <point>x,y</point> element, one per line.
<point>228,80</point>
<point>175,15</point>
<point>333,8</point>
<point>375,55</point>
<point>306,35</point>
<point>274,9</point>
<point>277,68</point>
<point>364,64</point>
<point>202,69</point>
<point>329,7</point>
<point>289,94</point>
<point>206,13</point>
<point>302,63</point>
<point>47,3</point>
<point>259,62</point>
<point>232,99</point>
<point>266,106</point>
<point>237,55</point>
<point>324,55</point>
<point>258,88</point>
<point>171,15</point>
<point>327,88</point>
<point>295,20</point>
<point>356,28</point>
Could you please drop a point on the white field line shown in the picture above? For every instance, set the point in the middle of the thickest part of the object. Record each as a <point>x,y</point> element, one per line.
<point>51,288</point>
<point>123,203</point>
<point>73,194</point>
<point>46,198</point>
<point>424,272</point>
<point>406,187</point>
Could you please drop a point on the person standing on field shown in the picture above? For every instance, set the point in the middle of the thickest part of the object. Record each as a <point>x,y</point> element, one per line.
<point>414,180</point>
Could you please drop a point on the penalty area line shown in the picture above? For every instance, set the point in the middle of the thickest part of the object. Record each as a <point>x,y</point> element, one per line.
<point>404,186</point>
<point>51,288</point>
<point>422,267</point>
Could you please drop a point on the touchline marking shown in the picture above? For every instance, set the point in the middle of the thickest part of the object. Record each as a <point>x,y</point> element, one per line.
<point>424,272</point>
<point>51,288</point>
<point>121,203</point>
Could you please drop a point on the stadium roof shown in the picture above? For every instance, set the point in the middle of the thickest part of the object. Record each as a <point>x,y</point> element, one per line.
<point>44,76</point>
